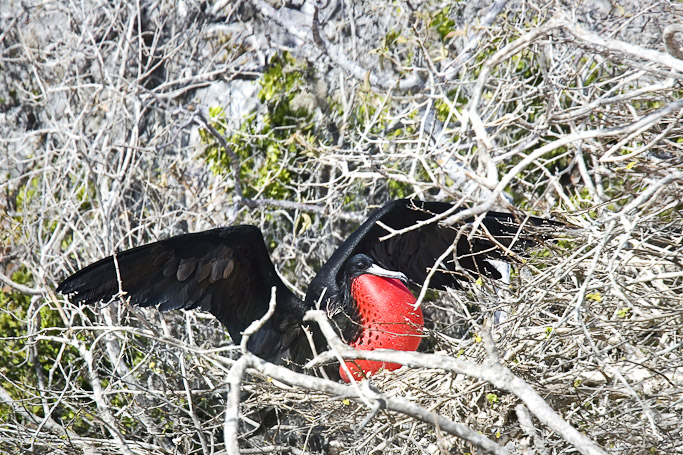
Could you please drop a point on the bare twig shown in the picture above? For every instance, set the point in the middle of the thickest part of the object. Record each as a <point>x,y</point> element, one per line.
<point>496,374</point>
<point>232,408</point>
<point>394,404</point>
<point>20,287</point>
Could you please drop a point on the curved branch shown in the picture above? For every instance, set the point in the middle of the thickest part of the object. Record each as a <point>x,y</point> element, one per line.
<point>20,287</point>
<point>621,47</point>
<point>400,405</point>
<point>673,46</point>
<point>498,375</point>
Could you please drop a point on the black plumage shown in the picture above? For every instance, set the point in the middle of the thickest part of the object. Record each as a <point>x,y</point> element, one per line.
<point>228,272</point>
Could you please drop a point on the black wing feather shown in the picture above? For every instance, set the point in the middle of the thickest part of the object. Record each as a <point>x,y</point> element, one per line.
<point>225,271</point>
<point>415,252</point>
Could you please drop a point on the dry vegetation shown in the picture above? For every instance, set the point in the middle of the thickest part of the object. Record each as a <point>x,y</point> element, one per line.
<point>110,137</point>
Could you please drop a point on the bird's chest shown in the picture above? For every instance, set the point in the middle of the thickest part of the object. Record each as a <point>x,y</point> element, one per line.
<point>387,320</point>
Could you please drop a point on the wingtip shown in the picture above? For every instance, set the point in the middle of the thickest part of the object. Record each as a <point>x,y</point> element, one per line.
<point>71,294</point>
<point>61,287</point>
<point>74,291</point>
<point>71,284</point>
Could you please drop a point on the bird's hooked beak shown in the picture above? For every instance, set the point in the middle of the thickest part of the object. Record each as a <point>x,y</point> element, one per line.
<point>376,270</point>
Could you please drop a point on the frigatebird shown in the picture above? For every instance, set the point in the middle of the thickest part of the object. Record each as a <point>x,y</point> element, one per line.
<point>362,287</point>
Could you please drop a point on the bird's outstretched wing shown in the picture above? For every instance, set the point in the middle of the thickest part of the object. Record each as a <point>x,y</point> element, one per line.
<point>225,271</point>
<point>416,251</point>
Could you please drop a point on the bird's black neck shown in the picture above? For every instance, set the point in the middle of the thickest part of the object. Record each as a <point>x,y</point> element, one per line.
<point>339,305</point>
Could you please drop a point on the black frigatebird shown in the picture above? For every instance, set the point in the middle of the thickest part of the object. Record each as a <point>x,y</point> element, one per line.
<point>362,287</point>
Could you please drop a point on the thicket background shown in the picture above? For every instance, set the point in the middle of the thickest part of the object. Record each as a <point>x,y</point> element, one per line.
<point>126,122</point>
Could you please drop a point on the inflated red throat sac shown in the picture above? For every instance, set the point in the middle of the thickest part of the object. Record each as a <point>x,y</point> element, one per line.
<point>388,320</point>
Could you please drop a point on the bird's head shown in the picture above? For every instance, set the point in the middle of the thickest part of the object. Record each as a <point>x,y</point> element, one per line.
<point>357,265</point>
<point>340,305</point>
<point>360,264</point>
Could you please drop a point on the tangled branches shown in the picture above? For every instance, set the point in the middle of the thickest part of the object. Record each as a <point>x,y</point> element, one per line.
<point>129,122</point>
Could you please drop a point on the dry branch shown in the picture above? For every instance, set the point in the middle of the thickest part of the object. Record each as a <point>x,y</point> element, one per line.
<point>573,118</point>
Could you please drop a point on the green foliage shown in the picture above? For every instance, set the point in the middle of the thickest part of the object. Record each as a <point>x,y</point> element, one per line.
<point>443,108</point>
<point>594,296</point>
<point>624,312</point>
<point>399,190</point>
<point>274,145</point>
<point>13,328</point>
<point>271,145</point>
<point>442,23</point>
<point>391,38</point>
<point>390,50</point>
<point>371,113</point>
<point>492,398</point>
<point>27,192</point>
<point>23,360</point>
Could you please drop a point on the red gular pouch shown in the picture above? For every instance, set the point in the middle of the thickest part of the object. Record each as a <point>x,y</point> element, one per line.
<point>388,320</point>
